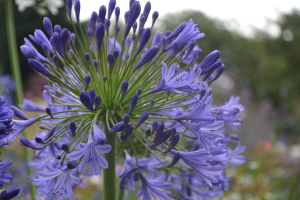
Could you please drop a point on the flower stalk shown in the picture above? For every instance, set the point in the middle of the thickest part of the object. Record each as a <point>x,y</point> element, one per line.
<point>14,61</point>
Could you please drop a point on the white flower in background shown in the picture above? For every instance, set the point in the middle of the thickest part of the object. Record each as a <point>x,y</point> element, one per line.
<point>51,5</point>
<point>23,4</point>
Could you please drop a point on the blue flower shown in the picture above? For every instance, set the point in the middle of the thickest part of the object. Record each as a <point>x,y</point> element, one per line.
<point>64,176</point>
<point>91,153</point>
<point>4,177</point>
<point>151,188</point>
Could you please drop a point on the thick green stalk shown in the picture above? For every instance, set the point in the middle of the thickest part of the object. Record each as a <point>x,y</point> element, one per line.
<point>109,174</point>
<point>120,194</point>
<point>14,61</point>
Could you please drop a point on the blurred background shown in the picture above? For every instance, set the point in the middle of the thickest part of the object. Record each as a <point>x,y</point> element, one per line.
<point>260,46</point>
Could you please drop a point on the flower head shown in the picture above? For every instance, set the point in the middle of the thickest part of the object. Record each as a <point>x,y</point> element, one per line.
<point>152,94</point>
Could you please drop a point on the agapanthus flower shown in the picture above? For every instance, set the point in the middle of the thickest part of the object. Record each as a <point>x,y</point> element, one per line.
<point>151,94</point>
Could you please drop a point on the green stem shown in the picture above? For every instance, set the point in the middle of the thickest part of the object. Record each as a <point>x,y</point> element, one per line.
<point>109,174</point>
<point>14,61</point>
<point>120,194</point>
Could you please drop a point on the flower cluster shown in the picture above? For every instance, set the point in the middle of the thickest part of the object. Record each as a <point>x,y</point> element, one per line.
<point>153,95</point>
<point>6,131</point>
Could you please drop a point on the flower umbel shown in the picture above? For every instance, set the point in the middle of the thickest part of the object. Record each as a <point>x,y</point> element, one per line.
<point>153,94</point>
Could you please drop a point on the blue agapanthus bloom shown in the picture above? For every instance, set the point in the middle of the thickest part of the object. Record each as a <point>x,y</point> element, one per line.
<point>7,130</point>
<point>153,95</point>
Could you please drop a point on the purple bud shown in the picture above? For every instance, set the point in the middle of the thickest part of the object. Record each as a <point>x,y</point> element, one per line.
<point>175,160</point>
<point>134,38</point>
<point>127,41</point>
<point>116,55</point>
<point>163,42</point>
<point>97,102</point>
<point>133,103</point>
<point>95,64</point>
<point>156,38</point>
<point>177,31</point>
<point>148,132</point>
<point>58,43</point>
<point>92,94</point>
<point>91,47</point>
<point>209,70</point>
<point>64,37</point>
<point>129,130</point>
<point>111,7</point>
<point>87,80</point>
<point>93,20</point>
<point>77,9</point>
<point>126,119</point>
<point>126,56</point>
<point>126,15</point>
<point>69,6</point>
<point>117,14</point>
<point>190,47</point>
<point>30,54</point>
<point>71,53</point>
<point>144,40</point>
<point>134,13</point>
<point>86,100</point>
<point>73,129</point>
<point>173,143</point>
<point>175,50</point>
<point>154,17</point>
<point>107,24</point>
<point>142,20</point>
<point>167,33</point>
<point>71,164</point>
<point>154,126</point>
<point>151,103</point>
<point>147,9</point>
<point>173,132</point>
<point>90,33</point>
<point>55,60</point>
<point>117,127</point>
<point>12,193</point>
<point>219,71</point>
<point>139,91</point>
<point>163,137</point>
<point>39,140</point>
<point>87,58</point>
<point>210,59</point>
<point>49,112</point>
<point>100,32</point>
<point>73,37</point>
<point>159,131</point>
<point>142,119</point>
<point>102,13</point>
<point>48,26</point>
<point>124,88</point>
<point>149,55</point>
<point>65,148</point>
<point>104,79</point>
<point>25,142</point>
<point>130,3</point>
<point>39,68</point>
<point>18,113</point>
<point>57,28</point>
<point>196,55</point>
<point>110,60</point>
<point>134,27</point>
